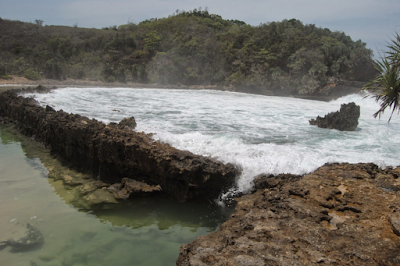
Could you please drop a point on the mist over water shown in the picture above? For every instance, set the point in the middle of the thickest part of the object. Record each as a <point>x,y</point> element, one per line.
<point>260,134</point>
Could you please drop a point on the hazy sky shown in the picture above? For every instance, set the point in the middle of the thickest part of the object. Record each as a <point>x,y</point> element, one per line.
<point>372,21</point>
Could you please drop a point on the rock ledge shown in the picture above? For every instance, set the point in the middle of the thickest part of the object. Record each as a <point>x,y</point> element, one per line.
<point>341,214</point>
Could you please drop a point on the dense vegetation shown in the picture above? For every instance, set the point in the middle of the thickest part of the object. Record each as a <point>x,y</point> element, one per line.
<point>189,48</point>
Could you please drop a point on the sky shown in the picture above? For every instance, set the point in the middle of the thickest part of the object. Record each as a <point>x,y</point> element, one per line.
<point>375,22</point>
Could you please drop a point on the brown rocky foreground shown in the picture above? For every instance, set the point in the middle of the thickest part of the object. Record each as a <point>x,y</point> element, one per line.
<point>341,214</point>
<point>113,152</point>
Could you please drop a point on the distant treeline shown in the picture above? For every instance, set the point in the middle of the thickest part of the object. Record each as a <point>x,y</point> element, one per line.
<point>188,48</point>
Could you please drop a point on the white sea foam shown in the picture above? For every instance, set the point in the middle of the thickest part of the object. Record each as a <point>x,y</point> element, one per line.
<point>260,134</point>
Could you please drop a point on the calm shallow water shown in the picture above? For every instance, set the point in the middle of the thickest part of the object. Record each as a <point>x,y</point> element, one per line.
<point>145,231</point>
<point>260,134</point>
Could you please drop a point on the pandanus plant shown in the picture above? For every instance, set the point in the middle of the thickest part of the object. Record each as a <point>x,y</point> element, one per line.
<point>385,87</point>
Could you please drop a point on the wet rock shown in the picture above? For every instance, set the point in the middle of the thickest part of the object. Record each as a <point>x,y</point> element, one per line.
<point>345,120</point>
<point>87,188</point>
<point>72,181</point>
<point>49,109</point>
<point>337,215</point>
<point>33,239</point>
<point>131,188</point>
<point>110,153</point>
<point>98,197</point>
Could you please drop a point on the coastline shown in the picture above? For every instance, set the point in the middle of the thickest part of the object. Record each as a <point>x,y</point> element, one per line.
<point>339,214</point>
<point>326,94</point>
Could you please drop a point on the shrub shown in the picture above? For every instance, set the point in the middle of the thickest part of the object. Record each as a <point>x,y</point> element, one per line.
<point>5,77</point>
<point>32,74</point>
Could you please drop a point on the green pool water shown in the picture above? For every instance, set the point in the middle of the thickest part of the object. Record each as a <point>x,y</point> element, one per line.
<point>141,231</point>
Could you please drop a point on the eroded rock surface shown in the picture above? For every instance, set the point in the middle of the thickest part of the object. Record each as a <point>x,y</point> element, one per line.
<point>341,214</point>
<point>345,120</point>
<point>131,188</point>
<point>112,152</point>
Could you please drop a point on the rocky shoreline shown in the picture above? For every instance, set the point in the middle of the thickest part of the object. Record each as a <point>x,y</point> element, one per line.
<point>341,214</point>
<point>113,152</point>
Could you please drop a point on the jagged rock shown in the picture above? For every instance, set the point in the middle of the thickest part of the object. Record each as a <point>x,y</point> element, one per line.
<point>337,215</point>
<point>395,223</point>
<point>129,188</point>
<point>345,120</point>
<point>128,122</point>
<point>111,153</point>
<point>271,181</point>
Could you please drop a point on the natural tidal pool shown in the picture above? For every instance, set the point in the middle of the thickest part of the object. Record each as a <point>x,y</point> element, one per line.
<point>141,231</point>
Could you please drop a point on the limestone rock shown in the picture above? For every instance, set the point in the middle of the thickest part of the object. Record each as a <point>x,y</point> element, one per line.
<point>345,120</point>
<point>395,223</point>
<point>129,188</point>
<point>99,196</point>
<point>337,215</point>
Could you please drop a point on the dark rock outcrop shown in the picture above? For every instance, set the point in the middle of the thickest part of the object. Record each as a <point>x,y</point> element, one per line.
<point>345,120</point>
<point>127,122</point>
<point>337,215</point>
<point>112,152</point>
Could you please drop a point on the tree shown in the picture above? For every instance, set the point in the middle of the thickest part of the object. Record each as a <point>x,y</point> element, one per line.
<point>39,22</point>
<point>386,86</point>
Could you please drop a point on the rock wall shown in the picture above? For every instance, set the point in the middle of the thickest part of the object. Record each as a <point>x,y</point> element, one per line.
<point>341,214</point>
<point>112,152</point>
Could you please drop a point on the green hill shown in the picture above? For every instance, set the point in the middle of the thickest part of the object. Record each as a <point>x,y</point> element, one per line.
<point>189,48</point>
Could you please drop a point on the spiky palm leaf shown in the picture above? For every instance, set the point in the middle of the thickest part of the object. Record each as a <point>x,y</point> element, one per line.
<point>386,86</point>
<point>394,51</point>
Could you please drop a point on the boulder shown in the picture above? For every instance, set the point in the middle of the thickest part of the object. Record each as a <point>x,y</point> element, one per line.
<point>345,120</point>
<point>331,216</point>
<point>128,122</point>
